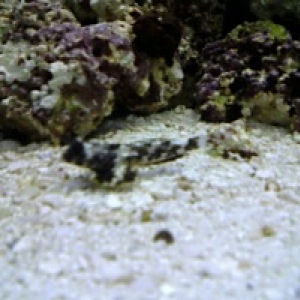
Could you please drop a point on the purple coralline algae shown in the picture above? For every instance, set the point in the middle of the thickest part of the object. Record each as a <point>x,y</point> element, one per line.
<point>59,80</point>
<point>202,23</point>
<point>66,65</point>
<point>253,73</point>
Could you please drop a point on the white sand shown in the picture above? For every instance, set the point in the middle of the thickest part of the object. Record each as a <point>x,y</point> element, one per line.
<point>236,224</point>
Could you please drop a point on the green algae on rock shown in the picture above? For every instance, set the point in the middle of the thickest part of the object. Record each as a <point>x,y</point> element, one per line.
<point>286,13</point>
<point>274,31</point>
<point>254,73</point>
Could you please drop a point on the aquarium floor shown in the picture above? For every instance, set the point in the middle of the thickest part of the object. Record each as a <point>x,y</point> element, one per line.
<point>235,223</point>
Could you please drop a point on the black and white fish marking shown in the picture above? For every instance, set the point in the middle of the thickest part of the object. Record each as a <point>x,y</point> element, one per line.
<point>115,163</point>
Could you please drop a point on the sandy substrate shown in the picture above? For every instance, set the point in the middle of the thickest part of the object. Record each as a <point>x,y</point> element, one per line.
<point>235,222</point>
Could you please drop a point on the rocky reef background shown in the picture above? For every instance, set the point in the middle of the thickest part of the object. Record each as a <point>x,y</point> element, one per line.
<point>67,65</point>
